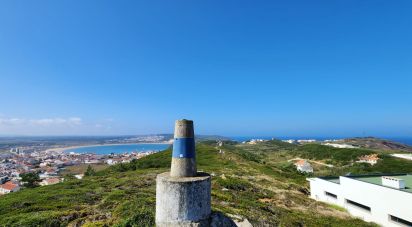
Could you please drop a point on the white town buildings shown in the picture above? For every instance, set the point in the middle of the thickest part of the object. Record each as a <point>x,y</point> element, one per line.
<point>383,199</point>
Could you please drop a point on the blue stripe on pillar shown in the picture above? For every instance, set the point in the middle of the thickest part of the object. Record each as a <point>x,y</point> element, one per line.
<point>184,148</point>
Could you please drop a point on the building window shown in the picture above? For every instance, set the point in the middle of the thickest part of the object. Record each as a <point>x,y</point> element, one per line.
<point>400,221</point>
<point>358,205</point>
<point>331,195</point>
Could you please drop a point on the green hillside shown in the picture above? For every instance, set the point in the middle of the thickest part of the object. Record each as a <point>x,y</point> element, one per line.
<point>252,181</point>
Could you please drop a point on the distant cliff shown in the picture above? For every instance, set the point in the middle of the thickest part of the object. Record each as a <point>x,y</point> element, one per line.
<point>376,143</point>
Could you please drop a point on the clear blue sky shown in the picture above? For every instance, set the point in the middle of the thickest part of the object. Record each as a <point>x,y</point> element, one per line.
<point>274,68</point>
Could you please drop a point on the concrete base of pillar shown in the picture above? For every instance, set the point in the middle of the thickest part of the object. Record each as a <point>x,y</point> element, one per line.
<point>183,167</point>
<point>183,201</point>
<point>203,223</point>
<point>216,219</point>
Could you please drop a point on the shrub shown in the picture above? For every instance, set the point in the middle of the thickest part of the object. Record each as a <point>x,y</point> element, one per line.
<point>31,179</point>
<point>234,184</point>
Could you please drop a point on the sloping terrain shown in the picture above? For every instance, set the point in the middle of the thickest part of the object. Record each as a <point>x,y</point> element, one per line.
<point>376,143</point>
<point>250,181</point>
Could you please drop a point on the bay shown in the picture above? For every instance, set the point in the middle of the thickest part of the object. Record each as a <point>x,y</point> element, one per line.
<point>119,148</point>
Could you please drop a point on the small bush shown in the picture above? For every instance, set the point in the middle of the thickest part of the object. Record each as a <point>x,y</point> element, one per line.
<point>142,217</point>
<point>234,184</point>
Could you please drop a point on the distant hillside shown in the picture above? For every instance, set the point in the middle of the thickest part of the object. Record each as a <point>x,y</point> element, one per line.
<point>211,137</point>
<point>255,182</point>
<point>198,137</point>
<point>376,143</point>
<point>45,142</point>
<point>343,160</point>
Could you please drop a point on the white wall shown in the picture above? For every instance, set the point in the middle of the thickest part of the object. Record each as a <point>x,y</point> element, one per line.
<point>382,200</point>
<point>319,186</point>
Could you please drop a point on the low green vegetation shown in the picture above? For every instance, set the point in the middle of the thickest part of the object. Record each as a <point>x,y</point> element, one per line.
<point>233,183</point>
<point>387,164</point>
<point>257,182</point>
<point>337,156</point>
<point>80,169</point>
<point>89,171</point>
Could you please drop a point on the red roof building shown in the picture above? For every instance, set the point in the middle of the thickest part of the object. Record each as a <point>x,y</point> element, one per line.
<point>9,187</point>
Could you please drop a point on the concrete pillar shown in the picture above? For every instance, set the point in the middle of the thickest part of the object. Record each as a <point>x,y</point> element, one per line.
<point>184,157</point>
<point>183,196</point>
<point>182,201</point>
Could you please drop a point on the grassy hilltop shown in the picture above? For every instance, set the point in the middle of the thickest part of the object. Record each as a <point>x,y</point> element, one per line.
<point>256,182</point>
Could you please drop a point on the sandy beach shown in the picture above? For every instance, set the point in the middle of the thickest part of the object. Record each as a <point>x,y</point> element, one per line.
<point>61,149</point>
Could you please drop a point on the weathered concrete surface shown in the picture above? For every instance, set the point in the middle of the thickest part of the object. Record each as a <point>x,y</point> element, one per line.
<point>183,201</point>
<point>184,129</point>
<point>240,221</point>
<point>218,219</point>
<point>183,167</point>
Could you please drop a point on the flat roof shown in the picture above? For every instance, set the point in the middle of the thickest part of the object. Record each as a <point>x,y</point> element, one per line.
<point>377,180</point>
<point>332,179</point>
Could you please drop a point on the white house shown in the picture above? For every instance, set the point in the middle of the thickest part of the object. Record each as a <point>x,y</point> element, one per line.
<point>383,199</point>
<point>306,141</point>
<point>370,159</point>
<point>111,161</point>
<point>338,145</point>
<point>91,161</point>
<point>303,166</point>
<point>289,141</point>
<point>79,176</point>
<point>44,164</point>
<point>50,181</point>
<point>255,141</point>
<point>220,143</point>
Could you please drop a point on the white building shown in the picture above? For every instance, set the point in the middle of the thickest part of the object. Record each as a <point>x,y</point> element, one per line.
<point>338,145</point>
<point>79,176</point>
<point>111,162</point>
<point>91,161</point>
<point>255,141</point>
<point>50,181</point>
<point>370,159</point>
<point>289,141</point>
<point>404,156</point>
<point>303,166</point>
<point>307,141</point>
<point>220,143</point>
<point>383,199</point>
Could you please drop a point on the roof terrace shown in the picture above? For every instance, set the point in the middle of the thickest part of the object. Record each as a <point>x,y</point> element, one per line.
<point>377,180</point>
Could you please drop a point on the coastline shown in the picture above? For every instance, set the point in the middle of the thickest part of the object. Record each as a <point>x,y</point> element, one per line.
<point>63,149</point>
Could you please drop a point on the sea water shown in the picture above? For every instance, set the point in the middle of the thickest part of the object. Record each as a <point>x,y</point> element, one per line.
<point>119,149</point>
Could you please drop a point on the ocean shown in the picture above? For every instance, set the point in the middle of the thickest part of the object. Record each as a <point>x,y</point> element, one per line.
<point>407,141</point>
<point>119,149</point>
